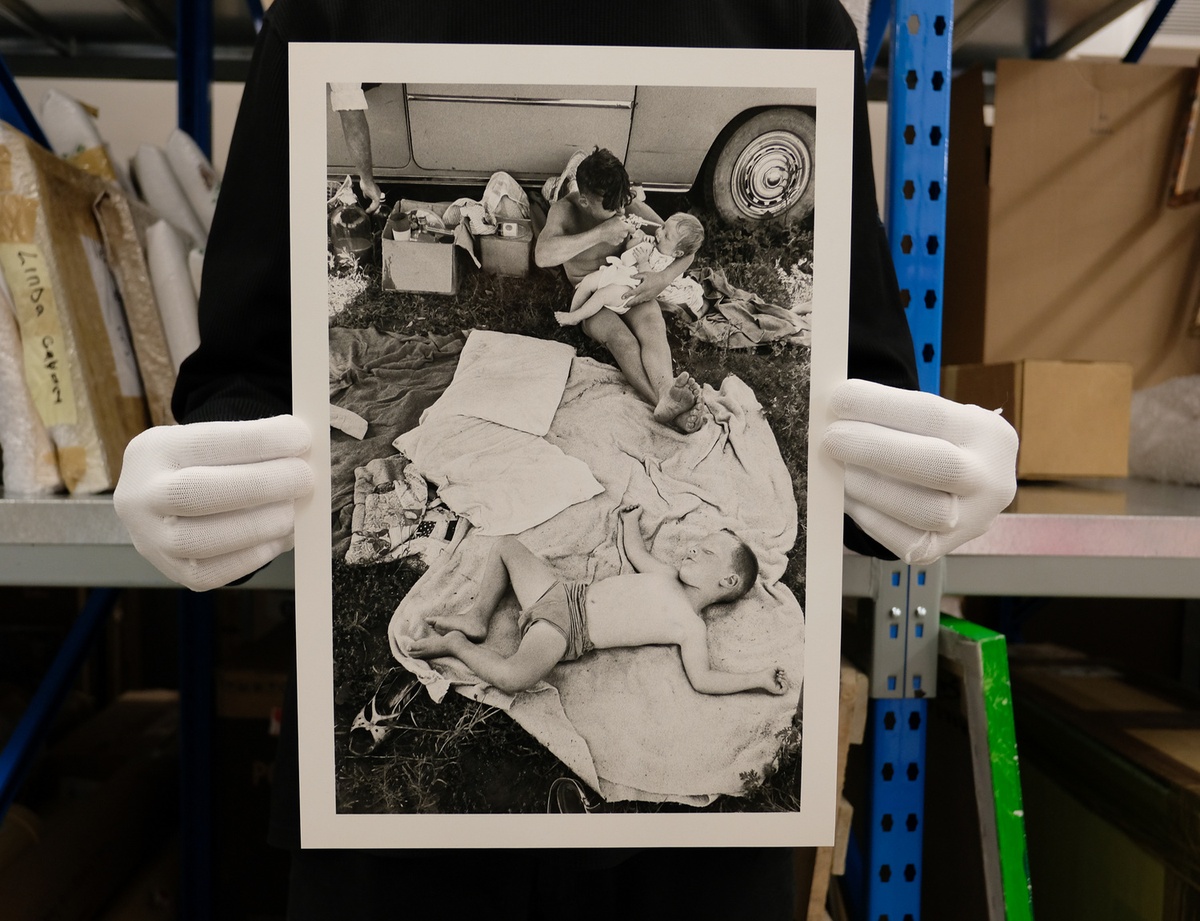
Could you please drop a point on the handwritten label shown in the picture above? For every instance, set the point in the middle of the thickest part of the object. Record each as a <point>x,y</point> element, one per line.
<point>47,364</point>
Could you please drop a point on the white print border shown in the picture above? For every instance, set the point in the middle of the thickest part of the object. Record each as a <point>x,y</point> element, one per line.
<point>830,73</point>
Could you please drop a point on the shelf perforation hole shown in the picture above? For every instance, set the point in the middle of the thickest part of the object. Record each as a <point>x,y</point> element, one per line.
<point>913,772</point>
<point>886,822</point>
<point>928,353</point>
<point>935,136</point>
<point>914,24</point>
<point>910,189</point>
<point>911,822</point>
<point>938,80</point>
<point>906,244</point>
<point>888,772</point>
<point>930,299</point>
<point>910,873</point>
<point>889,721</point>
<point>931,245</point>
<point>885,873</point>
<point>911,79</point>
<point>935,190</point>
<point>939,25</point>
<point>905,298</point>
<point>914,721</point>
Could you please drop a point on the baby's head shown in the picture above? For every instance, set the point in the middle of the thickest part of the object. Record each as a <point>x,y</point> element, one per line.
<point>681,235</point>
<point>722,562</point>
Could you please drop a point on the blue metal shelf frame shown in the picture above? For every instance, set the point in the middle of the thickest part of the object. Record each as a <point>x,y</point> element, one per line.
<point>915,204</point>
<point>886,883</point>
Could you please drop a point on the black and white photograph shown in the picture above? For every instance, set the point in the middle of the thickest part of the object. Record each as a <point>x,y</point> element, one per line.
<point>576,579</point>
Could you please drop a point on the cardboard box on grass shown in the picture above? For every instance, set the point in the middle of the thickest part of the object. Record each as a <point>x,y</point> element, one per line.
<point>419,266</point>
<point>1067,249</point>
<point>508,251</point>
<point>79,361</point>
<point>1072,416</point>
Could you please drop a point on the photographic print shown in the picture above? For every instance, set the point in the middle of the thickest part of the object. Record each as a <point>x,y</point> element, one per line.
<point>571,575</point>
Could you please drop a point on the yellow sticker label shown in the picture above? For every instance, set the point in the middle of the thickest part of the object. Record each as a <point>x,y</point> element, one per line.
<point>47,364</point>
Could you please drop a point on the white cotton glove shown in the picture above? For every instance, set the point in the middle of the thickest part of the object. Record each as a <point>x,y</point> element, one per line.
<point>210,502</point>
<point>923,474</point>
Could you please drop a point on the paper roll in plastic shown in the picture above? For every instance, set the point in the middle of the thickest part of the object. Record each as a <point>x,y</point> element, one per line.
<point>30,467</point>
<point>168,257</point>
<point>161,190</point>
<point>80,365</point>
<point>197,177</point>
<point>73,135</point>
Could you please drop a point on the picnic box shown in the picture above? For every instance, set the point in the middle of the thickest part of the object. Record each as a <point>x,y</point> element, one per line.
<point>1066,248</point>
<point>417,265</point>
<point>1072,416</point>
<point>508,251</point>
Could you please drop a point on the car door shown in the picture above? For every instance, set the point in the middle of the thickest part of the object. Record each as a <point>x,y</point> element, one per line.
<point>527,130</point>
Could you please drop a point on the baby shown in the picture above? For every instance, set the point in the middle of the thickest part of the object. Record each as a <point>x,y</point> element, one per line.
<point>657,605</point>
<point>609,285</point>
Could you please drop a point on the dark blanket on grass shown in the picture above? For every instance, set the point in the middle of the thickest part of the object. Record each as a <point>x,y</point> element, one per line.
<point>389,379</point>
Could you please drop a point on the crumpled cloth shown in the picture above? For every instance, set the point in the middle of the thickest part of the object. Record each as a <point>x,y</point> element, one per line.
<point>1164,431</point>
<point>389,379</point>
<point>738,319</point>
<point>627,721</point>
<point>394,517</point>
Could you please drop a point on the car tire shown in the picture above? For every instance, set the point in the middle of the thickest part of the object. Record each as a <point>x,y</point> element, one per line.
<point>764,169</point>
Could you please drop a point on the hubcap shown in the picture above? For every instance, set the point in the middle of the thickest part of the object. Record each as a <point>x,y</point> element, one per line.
<point>771,174</point>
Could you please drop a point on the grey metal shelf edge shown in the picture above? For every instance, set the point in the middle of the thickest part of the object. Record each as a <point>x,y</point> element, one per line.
<point>1088,538</point>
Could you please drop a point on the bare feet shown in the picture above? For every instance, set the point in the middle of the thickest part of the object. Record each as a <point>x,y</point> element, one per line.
<point>690,420</point>
<point>431,647</point>
<point>471,624</point>
<point>566,318</point>
<point>678,399</point>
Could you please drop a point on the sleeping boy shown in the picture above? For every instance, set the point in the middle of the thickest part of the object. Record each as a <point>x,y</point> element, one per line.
<point>658,604</point>
<point>609,285</point>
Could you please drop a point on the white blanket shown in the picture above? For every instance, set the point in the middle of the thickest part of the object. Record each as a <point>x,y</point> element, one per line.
<point>627,720</point>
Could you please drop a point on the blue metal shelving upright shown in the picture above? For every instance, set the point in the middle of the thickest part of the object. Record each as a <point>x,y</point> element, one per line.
<point>903,665</point>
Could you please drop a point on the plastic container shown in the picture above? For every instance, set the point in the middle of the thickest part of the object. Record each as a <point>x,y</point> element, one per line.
<point>352,236</point>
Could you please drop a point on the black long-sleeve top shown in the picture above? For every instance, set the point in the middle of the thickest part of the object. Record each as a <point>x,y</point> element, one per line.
<point>242,369</point>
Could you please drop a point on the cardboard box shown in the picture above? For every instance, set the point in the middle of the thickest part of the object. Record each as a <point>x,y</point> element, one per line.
<point>1072,416</point>
<point>79,361</point>
<point>416,265</point>
<point>508,252</point>
<point>1066,249</point>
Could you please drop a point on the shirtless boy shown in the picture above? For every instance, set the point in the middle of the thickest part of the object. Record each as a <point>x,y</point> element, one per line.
<point>582,229</point>
<point>658,605</point>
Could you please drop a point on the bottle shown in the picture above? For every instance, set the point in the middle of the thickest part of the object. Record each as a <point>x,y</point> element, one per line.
<point>351,234</point>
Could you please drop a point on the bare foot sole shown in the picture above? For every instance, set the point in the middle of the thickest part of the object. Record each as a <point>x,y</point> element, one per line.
<point>468,624</point>
<point>692,419</point>
<point>565,319</point>
<point>678,399</point>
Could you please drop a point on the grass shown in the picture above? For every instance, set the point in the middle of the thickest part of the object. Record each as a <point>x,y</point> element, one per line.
<point>460,756</point>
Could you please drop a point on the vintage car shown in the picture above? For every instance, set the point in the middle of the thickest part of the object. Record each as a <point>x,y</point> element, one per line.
<point>751,151</point>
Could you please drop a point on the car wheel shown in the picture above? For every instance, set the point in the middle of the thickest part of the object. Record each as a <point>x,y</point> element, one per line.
<point>764,169</point>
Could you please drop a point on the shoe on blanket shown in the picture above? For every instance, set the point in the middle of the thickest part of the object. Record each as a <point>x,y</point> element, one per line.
<point>567,795</point>
<point>378,721</point>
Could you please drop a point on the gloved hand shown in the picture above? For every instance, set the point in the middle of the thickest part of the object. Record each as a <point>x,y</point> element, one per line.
<point>923,474</point>
<point>210,502</point>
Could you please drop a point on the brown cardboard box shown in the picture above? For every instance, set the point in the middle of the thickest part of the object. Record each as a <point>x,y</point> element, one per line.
<point>1067,250</point>
<point>1072,416</point>
<point>79,361</point>
<point>508,252</point>
<point>411,265</point>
